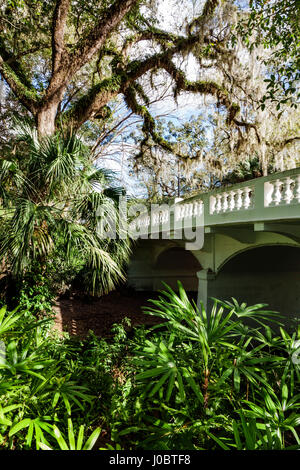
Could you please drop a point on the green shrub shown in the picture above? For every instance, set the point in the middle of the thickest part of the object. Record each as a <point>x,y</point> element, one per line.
<point>202,375</point>
<point>199,380</point>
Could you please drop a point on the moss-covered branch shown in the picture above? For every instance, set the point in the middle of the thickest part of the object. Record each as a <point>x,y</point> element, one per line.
<point>91,105</point>
<point>206,14</point>
<point>96,38</point>
<point>19,84</point>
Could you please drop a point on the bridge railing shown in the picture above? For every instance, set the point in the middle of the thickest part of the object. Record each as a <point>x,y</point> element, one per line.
<point>231,200</point>
<point>273,197</point>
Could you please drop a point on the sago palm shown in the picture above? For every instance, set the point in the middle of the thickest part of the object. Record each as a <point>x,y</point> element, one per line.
<point>53,197</point>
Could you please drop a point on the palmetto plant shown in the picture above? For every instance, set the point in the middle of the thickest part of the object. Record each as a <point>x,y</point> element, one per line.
<point>251,434</point>
<point>7,320</point>
<point>36,428</point>
<point>212,333</point>
<point>54,198</point>
<point>71,442</point>
<point>160,364</point>
<point>22,360</point>
<point>280,412</point>
<point>39,390</point>
<point>54,392</point>
<point>200,369</point>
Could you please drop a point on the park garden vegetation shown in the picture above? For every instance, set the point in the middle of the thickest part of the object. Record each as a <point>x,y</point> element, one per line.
<point>227,378</point>
<point>74,75</point>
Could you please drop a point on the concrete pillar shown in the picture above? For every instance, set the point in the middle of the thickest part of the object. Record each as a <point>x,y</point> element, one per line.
<point>204,277</point>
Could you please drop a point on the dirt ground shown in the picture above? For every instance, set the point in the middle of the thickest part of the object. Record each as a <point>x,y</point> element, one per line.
<point>78,316</point>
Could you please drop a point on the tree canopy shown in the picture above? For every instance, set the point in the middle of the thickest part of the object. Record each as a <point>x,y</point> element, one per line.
<point>66,62</point>
<point>46,46</point>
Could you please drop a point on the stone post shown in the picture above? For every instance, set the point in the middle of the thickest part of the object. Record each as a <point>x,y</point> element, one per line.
<point>204,276</point>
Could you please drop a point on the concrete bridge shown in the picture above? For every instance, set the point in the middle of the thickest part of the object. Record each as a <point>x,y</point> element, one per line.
<point>250,248</point>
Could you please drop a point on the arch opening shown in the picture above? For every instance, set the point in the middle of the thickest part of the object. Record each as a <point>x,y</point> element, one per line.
<point>266,274</point>
<point>175,264</point>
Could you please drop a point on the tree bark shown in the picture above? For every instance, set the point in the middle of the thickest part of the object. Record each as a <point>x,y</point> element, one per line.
<point>45,119</point>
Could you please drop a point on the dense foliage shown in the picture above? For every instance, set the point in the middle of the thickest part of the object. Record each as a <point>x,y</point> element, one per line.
<point>59,215</point>
<point>200,380</point>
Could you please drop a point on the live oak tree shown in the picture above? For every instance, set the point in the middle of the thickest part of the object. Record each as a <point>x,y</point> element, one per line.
<point>67,61</point>
<point>46,46</point>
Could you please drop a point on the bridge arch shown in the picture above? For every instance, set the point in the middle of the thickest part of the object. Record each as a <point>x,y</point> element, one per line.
<point>250,248</point>
<point>154,261</point>
<point>176,263</point>
<point>268,273</point>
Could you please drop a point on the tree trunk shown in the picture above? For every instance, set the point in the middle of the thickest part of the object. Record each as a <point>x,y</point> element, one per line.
<point>45,119</point>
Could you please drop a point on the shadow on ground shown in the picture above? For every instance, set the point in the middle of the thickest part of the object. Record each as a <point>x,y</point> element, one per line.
<point>79,316</point>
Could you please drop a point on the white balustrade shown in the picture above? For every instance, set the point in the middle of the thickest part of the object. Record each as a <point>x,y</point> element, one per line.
<point>276,190</point>
<point>233,200</point>
<point>283,191</point>
<point>159,217</point>
<point>188,210</point>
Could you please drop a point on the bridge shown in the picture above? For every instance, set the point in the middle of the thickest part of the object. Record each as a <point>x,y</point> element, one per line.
<point>248,244</point>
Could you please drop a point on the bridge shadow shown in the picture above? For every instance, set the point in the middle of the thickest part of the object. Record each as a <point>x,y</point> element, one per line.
<point>266,274</point>
<point>77,316</point>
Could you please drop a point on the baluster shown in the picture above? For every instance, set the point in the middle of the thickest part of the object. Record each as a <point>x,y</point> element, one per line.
<point>219,203</point>
<point>212,205</point>
<point>239,199</point>
<point>246,198</point>
<point>195,209</point>
<point>269,194</point>
<point>200,208</point>
<point>277,193</point>
<point>187,210</point>
<point>297,190</point>
<point>232,200</point>
<point>288,193</point>
<point>225,202</point>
